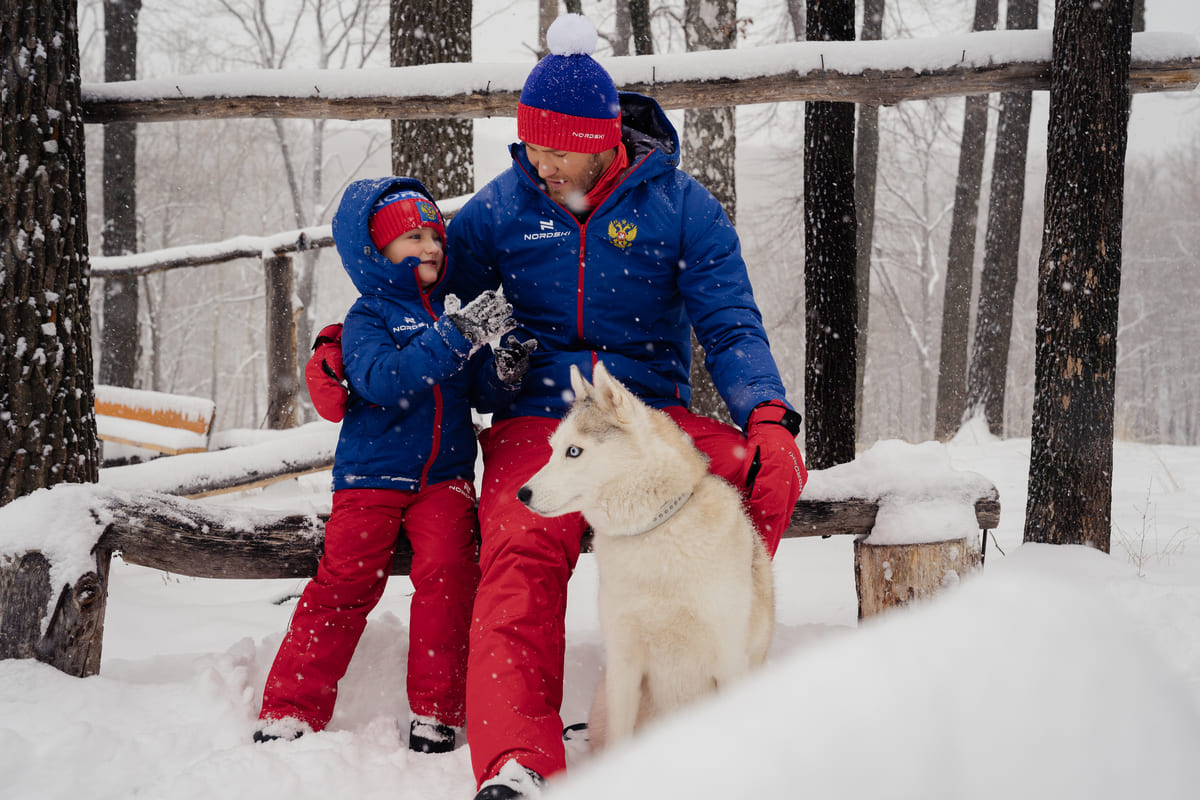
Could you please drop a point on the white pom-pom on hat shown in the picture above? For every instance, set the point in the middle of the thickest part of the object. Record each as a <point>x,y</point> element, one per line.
<point>571,35</point>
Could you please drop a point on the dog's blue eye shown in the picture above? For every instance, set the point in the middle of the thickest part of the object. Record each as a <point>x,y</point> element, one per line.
<point>574,452</point>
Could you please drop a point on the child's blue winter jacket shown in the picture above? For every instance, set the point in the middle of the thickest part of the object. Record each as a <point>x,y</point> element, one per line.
<point>623,286</point>
<point>412,380</point>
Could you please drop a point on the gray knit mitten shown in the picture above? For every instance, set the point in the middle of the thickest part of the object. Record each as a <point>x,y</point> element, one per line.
<point>512,360</point>
<point>483,319</point>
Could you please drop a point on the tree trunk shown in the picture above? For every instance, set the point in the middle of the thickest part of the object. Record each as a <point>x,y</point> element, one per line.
<point>547,13</point>
<point>639,19</point>
<point>74,634</point>
<point>439,153</point>
<point>830,230</point>
<point>306,275</point>
<point>282,383</point>
<point>709,147</point>
<point>866,160</point>
<point>1079,277</point>
<point>119,339</point>
<point>960,261</point>
<point>49,433</point>
<point>1002,247</point>
<point>797,11</point>
<point>45,325</point>
<point>622,29</point>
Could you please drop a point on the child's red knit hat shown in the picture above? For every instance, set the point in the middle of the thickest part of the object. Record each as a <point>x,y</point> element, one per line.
<point>398,212</point>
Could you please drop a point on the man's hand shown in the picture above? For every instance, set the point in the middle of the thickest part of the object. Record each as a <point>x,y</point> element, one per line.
<point>512,360</point>
<point>775,472</point>
<point>325,376</point>
<point>483,319</point>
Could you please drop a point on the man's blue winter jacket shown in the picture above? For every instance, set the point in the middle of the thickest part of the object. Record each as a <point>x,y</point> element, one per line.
<point>623,286</point>
<point>408,420</point>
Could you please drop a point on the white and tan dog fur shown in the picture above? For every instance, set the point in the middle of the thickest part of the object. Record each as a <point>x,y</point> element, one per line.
<point>686,590</point>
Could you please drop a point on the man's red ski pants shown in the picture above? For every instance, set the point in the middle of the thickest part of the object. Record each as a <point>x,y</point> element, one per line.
<point>515,666</point>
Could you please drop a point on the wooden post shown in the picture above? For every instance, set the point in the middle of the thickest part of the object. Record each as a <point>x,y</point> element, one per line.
<point>74,636</point>
<point>887,576</point>
<point>282,380</point>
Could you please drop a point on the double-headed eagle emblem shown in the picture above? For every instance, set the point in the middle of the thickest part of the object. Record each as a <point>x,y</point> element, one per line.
<point>621,233</point>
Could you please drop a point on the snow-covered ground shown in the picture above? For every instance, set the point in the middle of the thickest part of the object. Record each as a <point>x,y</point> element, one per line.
<point>1056,672</point>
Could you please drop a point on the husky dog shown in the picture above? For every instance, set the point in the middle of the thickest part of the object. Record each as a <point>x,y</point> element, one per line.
<point>686,591</point>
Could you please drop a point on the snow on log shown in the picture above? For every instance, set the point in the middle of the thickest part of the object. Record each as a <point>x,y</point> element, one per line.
<point>277,456</point>
<point>871,72</point>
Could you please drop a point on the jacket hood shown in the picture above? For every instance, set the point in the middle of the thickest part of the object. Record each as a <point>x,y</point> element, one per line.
<point>371,273</point>
<point>644,129</point>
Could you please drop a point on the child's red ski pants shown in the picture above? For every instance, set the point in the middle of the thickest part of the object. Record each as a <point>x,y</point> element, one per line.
<point>360,539</point>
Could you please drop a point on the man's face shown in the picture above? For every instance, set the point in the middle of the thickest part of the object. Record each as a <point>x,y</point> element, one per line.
<point>568,176</point>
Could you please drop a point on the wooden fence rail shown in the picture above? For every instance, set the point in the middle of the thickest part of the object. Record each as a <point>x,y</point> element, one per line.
<point>914,69</point>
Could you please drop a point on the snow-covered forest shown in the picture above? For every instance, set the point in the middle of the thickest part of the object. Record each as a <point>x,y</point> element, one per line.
<point>208,180</point>
<point>1056,671</point>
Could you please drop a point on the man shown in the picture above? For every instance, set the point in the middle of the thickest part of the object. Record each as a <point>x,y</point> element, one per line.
<point>606,252</point>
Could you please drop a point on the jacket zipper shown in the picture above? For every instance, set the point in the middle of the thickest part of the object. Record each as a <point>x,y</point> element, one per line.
<point>579,283</point>
<point>583,239</point>
<point>436,436</point>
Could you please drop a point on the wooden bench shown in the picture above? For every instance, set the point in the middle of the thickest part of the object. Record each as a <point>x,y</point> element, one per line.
<point>186,537</point>
<point>165,423</point>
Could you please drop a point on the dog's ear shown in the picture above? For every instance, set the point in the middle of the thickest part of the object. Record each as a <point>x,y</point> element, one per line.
<point>612,395</point>
<point>579,384</point>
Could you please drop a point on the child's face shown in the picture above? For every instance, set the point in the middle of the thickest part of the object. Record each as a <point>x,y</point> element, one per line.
<point>422,243</point>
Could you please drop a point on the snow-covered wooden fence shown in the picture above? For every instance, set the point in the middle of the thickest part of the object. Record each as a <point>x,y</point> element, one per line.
<point>870,72</point>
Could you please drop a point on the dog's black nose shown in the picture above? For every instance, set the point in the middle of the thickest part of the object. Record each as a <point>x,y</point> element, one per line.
<point>524,493</point>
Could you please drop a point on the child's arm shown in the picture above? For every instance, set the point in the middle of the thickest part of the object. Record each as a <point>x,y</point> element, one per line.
<point>390,371</point>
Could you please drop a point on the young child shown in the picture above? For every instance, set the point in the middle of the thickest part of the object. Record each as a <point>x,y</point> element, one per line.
<point>404,465</point>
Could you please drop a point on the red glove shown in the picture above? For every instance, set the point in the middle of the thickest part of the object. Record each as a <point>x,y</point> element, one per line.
<point>325,375</point>
<point>775,473</point>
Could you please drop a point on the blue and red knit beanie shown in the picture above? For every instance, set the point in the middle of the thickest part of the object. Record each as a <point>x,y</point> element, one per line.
<point>569,101</point>
<point>398,212</point>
